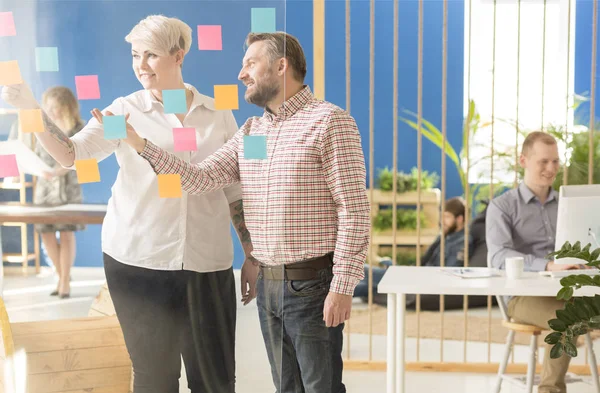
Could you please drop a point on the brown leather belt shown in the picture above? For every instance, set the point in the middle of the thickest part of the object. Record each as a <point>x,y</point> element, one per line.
<point>303,270</point>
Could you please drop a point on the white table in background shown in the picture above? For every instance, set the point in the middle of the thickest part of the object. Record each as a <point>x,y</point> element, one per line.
<point>401,280</point>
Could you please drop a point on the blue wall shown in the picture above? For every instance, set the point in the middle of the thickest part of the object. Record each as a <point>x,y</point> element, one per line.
<point>90,37</point>
<point>384,117</point>
<point>583,60</point>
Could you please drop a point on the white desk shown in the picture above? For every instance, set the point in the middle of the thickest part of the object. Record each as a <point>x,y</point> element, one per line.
<point>36,214</point>
<point>400,280</point>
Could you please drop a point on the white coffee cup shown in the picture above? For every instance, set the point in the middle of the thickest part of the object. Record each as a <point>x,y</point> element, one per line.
<point>514,267</point>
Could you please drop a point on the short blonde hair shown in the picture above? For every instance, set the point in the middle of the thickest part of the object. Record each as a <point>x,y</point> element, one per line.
<point>534,137</point>
<point>162,35</point>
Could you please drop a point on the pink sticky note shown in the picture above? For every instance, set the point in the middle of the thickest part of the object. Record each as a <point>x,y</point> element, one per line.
<point>209,37</point>
<point>7,24</point>
<point>185,139</point>
<point>87,87</point>
<point>8,166</point>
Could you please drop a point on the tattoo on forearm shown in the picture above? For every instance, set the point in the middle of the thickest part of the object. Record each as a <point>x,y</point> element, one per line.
<point>237,218</point>
<point>57,134</point>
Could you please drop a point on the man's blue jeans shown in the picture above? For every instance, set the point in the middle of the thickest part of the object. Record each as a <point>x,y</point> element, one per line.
<point>305,355</point>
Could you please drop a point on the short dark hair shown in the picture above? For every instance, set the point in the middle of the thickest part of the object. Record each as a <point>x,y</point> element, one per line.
<point>455,206</point>
<point>281,44</point>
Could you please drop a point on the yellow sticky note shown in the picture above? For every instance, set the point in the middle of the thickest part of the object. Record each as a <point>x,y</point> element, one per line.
<point>30,120</point>
<point>169,186</point>
<point>226,97</point>
<point>10,73</point>
<point>87,171</point>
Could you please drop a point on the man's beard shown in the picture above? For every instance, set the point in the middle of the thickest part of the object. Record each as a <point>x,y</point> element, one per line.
<point>263,93</point>
<point>451,229</point>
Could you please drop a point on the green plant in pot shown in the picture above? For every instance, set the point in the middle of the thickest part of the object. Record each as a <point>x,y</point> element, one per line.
<point>580,314</point>
<point>405,181</point>
<point>406,219</point>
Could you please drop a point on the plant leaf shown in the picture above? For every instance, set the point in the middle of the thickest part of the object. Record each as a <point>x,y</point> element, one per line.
<point>580,330</point>
<point>553,338</point>
<point>561,293</point>
<point>589,300</point>
<point>595,319</point>
<point>556,351</point>
<point>584,279</point>
<point>557,325</point>
<point>565,293</point>
<point>587,248</point>
<point>568,281</point>
<point>570,349</point>
<point>436,137</point>
<point>566,317</point>
<point>571,310</point>
<point>582,305</point>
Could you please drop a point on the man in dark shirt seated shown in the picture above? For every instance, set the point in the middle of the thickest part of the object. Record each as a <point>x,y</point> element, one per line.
<point>453,224</point>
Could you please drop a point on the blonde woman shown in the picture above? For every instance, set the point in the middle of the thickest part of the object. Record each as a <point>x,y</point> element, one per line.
<point>59,187</point>
<point>168,261</point>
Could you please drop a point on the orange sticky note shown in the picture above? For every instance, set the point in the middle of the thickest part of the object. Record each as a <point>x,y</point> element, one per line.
<point>226,97</point>
<point>31,120</point>
<point>10,73</point>
<point>87,171</point>
<point>169,186</point>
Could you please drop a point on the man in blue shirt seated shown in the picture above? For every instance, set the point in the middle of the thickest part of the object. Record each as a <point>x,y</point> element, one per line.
<point>522,223</point>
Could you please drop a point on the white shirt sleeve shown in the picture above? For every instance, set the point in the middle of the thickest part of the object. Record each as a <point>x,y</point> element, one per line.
<point>90,142</point>
<point>234,192</point>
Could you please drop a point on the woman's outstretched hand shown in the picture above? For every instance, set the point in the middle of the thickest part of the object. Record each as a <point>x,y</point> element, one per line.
<point>133,139</point>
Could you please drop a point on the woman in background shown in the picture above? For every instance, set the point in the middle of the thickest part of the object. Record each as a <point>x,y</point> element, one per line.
<point>59,187</point>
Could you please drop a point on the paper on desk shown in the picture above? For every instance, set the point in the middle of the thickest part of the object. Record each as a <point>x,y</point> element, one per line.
<point>27,160</point>
<point>471,272</point>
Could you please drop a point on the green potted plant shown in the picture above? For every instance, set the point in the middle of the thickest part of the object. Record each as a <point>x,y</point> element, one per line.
<point>405,181</point>
<point>580,314</point>
<point>406,219</point>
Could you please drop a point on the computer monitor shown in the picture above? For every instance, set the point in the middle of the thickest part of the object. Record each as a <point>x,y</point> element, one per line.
<point>578,218</point>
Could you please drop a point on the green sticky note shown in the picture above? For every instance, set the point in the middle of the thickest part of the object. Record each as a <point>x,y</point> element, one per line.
<point>263,20</point>
<point>46,59</point>
<point>255,147</point>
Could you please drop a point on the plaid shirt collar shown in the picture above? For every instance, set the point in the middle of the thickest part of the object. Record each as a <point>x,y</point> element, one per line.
<point>289,107</point>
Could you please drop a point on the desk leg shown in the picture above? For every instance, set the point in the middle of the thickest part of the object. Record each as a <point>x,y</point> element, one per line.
<point>400,341</point>
<point>391,343</point>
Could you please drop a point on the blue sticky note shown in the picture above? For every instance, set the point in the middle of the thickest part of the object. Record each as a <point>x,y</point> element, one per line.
<point>46,59</point>
<point>255,147</point>
<point>114,127</point>
<point>263,20</point>
<point>174,101</point>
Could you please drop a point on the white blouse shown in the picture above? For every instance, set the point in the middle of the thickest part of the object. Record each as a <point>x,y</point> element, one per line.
<point>142,229</point>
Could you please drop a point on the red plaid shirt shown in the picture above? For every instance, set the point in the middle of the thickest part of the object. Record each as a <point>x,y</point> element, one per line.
<point>306,199</point>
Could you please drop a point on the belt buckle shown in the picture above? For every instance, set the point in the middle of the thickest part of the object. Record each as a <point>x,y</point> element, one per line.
<point>269,272</point>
